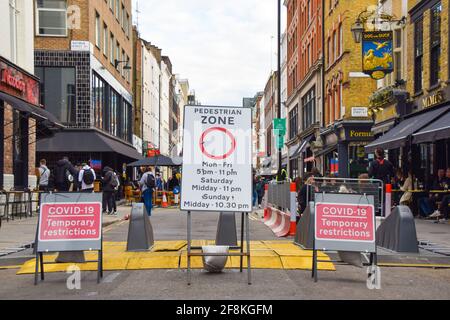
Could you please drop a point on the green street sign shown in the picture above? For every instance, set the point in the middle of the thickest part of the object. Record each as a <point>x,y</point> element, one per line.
<point>279,125</point>
<point>279,141</point>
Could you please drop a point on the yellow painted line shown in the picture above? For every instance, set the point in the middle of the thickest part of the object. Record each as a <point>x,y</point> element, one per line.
<point>113,226</point>
<point>10,267</point>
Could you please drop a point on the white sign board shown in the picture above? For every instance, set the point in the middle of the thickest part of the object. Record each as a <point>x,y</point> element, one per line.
<point>358,112</point>
<point>217,159</point>
<point>80,45</point>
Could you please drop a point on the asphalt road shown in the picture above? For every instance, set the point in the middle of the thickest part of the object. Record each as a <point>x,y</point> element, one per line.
<point>347,282</point>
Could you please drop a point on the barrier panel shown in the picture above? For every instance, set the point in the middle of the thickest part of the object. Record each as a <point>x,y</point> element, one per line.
<point>341,217</point>
<point>69,222</point>
<point>280,212</point>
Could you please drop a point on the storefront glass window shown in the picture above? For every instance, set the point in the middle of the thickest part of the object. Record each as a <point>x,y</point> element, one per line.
<point>58,93</point>
<point>359,161</point>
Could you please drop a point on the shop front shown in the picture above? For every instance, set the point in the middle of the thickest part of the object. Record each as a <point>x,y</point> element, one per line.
<point>344,154</point>
<point>420,139</point>
<point>24,121</point>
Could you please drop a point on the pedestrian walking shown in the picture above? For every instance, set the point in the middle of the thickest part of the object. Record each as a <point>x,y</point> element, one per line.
<point>116,197</point>
<point>87,178</point>
<point>109,184</point>
<point>44,176</point>
<point>64,175</point>
<point>260,191</point>
<point>147,185</point>
<point>381,168</point>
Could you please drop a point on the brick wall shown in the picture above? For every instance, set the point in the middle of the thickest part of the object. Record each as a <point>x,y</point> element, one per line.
<point>444,67</point>
<point>84,14</point>
<point>355,91</point>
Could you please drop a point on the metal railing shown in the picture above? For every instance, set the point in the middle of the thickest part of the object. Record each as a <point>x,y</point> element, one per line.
<point>279,195</point>
<point>350,186</point>
<point>17,204</point>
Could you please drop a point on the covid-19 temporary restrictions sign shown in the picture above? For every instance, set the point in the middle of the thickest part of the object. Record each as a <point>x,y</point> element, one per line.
<point>217,159</point>
<point>70,222</point>
<point>345,222</point>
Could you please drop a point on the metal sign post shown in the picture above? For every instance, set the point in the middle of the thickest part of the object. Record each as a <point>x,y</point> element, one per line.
<point>217,171</point>
<point>69,222</point>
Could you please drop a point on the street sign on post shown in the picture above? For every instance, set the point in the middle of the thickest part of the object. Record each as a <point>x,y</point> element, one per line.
<point>217,159</point>
<point>69,222</point>
<point>279,127</point>
<point>217,170</point>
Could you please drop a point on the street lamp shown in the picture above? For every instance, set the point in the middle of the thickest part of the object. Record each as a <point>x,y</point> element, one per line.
<point>357,30</point>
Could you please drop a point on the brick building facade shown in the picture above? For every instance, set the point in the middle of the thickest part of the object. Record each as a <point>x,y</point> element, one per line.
<point>304,32</point>
<point>346,87</point>
<point>84,63</point>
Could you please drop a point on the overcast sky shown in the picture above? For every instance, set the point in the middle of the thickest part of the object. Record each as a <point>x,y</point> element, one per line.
<point>222,46</point>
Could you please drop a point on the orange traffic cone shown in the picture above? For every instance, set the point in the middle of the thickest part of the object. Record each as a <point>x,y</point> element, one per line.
<point>164,200</point>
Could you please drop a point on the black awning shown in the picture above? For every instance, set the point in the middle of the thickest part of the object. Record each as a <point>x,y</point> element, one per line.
<point>437,130</point>
<point>86,141</point>
<point>397,136</point>
<point>326,150</point>
<point>35,112</point>
<point>156,161</point>
<point>302,147</point>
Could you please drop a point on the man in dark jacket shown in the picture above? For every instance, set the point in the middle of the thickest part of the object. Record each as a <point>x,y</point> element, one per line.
<point>65,175</point>
<point>380,168</point>
<point>108,190</point>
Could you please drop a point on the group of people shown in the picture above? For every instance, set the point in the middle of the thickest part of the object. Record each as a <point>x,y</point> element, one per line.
<point>436,205</point>
<point>150,180</point>
<point>80,178</point>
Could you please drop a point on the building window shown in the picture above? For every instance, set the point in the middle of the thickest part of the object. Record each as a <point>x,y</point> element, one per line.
<point>398,64</point>
<point>435,44</point>
<point>125,121</point>
<point>114,103</point>
<point>98,37</point>
<point>51,17</point>
<point>13,27</point>
<point>117,9</point>
<point>418,55</point>
<point>293,168</point>
<point>118,55</point>
<point>58,92</point>
<point>112,51</point>
<point>309,108</point>
<point>341,39</point>
<point>123,69</point>
<point>105,40</point>
<point>293,123</point>
<point>99,102</point>
<point>335,45</point>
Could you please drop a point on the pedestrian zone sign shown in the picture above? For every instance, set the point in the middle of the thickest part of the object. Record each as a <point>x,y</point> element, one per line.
<point>217,159</point>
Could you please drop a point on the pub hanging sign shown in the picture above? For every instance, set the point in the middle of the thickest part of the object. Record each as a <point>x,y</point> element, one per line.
<point>377,53</point>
